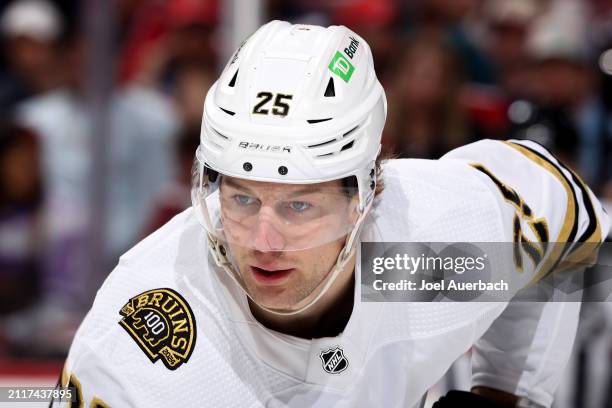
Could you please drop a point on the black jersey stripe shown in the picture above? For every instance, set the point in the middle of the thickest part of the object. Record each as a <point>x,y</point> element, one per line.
<point>588,205</point>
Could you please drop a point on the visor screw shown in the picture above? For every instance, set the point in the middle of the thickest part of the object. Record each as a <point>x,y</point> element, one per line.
<point>222,250</point>
<point>247,166</point>
<point>372,185</point>
<point>282,170</point>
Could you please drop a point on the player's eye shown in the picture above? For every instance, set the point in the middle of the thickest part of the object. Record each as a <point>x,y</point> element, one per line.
<point>297,211</point>
<point>299,206</point>
<point>244,200</point>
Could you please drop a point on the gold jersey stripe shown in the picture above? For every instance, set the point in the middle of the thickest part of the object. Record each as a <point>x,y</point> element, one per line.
<point>584,251</point>
<point>570,218</point>
<point>74,382</point>
<point>583,255</point>
<point>98,403</point>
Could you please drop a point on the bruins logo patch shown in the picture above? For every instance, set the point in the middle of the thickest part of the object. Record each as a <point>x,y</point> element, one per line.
<point>162,324</point>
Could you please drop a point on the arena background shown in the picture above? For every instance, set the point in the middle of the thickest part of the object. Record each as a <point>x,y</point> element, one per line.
<point>100,108</point>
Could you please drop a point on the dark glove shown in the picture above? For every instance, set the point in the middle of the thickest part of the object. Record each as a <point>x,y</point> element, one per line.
<point>461,399</point>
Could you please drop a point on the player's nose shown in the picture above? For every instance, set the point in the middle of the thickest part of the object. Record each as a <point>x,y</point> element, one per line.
<point>267,237</point>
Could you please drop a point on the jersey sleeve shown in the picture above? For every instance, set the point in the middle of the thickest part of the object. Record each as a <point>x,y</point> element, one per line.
<point>545,207</point>
<point>527,347</point>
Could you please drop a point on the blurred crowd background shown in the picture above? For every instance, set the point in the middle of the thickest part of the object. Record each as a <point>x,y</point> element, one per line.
<point>100,117</point>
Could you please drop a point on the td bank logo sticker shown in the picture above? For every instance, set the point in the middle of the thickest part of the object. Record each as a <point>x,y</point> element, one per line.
<point>341,62</point>
<point>162,324</point>
<point>341,66</point>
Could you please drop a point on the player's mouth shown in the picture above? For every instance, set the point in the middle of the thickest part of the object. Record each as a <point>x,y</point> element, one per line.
<point>270,275</point>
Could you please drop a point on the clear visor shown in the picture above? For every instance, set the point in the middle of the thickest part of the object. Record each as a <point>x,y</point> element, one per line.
<point>284,244</point>
<point>265,216</point>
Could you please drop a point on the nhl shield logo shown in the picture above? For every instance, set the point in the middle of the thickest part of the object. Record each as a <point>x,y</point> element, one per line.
<point>334,361</point>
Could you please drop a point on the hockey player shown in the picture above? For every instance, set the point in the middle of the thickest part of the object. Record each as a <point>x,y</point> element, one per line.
<point>251,298</point>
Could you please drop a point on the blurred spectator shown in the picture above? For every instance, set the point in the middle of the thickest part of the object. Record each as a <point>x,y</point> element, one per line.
<point>38,283</point>
<point>425,116</point>
<point>176,195</point>
<point>31,31</point>
<point>128,12</point>
<point>563,110</point>
<point>167,36</point>
<point>448,20</point>
<point>600,33</point>
<point>508,25</point>
<point>600,22</point>
<point>21,224</point>
<point>192,84</point>
<point>142,125</point>
<point>504,37</point>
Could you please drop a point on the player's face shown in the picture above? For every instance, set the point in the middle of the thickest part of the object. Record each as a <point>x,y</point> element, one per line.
<point>285,238</point>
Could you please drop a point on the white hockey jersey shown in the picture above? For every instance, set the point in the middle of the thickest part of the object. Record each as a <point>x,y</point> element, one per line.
<point>168,328</point>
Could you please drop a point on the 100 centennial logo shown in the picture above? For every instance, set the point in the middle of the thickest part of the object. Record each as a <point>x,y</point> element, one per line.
<point>162,324</point>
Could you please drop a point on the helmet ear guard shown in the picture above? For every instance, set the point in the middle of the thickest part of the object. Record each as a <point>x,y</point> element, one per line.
<point>368,180</point>
<point>210,174</point>
<point>295,105</point>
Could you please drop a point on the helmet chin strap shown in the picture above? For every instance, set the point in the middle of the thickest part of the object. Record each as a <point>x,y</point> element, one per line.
<point>219,253</point>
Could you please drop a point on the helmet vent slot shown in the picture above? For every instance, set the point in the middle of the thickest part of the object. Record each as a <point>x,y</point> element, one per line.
<point>317,120</point>
<point>350,131</point>
<point>229,112</point>
<point>322,144</point>
<point>219,134</point>
<point>330,91</point>
<point>232,83</point>
<point>348,145</point>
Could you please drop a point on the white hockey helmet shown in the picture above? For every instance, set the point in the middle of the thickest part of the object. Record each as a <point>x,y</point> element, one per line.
<point>296,104</point>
